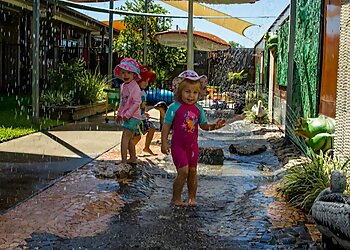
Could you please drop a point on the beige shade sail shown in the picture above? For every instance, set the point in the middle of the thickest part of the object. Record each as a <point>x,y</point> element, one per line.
<point>234,24</point>
<point>201,40</point>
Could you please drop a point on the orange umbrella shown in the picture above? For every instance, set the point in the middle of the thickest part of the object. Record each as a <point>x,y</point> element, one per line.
<point>201,40</point>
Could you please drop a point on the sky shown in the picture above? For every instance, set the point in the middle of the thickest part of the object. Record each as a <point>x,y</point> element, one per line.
<point>248,12</point>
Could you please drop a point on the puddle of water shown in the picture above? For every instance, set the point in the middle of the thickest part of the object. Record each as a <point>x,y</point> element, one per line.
<point>18,181</point>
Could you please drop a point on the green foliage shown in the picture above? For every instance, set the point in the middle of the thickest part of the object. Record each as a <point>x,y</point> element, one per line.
<point>253,118</point>
<point>72,84</point>
<point>235,45</point>
<point>302,184</point>
<point>237,78</point>
<point>63,78</point>
<point>15,118</point>
<point>55,98</point>
<point>282,55</point>
<point>252,98</point>
<point>90,87</point>
<point>162,59</point>
<point>306,72</point>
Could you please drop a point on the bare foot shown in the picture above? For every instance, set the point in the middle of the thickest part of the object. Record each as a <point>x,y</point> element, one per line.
<point>192,203</point>
<point>178,204</point>
<point>148,150</point>
<point>133,161</point>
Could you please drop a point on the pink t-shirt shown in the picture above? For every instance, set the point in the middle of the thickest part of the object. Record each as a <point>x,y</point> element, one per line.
<point>130,100</point>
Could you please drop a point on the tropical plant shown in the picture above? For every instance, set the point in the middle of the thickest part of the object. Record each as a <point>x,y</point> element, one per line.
<point>72,84</point>
<point>237,77</point>
<point>63,78</point>
<point>53,97</point>
<point>302,184</point>
<point>90,87</point>
<point>162,59</point>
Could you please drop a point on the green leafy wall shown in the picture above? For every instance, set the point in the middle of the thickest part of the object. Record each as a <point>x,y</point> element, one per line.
<point>306,58</point>
<point>266,69</point>
<point>257,77</point>
<point>282,54</point>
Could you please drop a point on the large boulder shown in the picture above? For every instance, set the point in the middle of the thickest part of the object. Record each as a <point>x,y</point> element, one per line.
<point>211,156</point>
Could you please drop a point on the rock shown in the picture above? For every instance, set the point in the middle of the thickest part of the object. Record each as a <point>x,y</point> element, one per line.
<point>211,156</point>
<point>232,149</point>
<point>113,171</point>
<point>247,149</point>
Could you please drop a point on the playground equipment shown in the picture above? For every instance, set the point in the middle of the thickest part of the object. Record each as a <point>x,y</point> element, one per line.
<point>216,96</point>
<point>157,95</point>
<point>112,98</point>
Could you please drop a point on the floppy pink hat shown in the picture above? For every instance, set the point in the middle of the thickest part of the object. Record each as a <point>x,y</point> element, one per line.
<point>128,64</point>
<point>193,76</point>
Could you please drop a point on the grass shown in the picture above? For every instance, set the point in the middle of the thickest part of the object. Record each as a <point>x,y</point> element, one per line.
<point>15,119</point>
<point>302,184</point>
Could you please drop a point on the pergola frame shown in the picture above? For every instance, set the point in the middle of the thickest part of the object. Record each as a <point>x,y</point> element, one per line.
<point>111,11</point>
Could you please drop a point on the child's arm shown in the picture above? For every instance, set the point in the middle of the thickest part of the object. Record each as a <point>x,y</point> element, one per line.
<point>217,125</point>
<point>165,133</point>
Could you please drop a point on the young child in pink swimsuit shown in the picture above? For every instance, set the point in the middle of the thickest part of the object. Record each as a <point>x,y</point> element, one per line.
<point>129,112</point>
<point>185,115</point>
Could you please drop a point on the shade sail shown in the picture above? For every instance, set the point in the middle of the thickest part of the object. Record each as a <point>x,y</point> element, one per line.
<point>201,40</point>
<point>89,1</point>
<point>201,1</point>
<point>117,25</point>
<point>234,24</point>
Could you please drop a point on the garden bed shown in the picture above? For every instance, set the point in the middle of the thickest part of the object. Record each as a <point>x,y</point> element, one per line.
<point>73,113</point>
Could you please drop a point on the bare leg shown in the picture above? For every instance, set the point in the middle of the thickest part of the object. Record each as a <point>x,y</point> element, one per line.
<point>149,138</point>
<point>136,139</point>
<point>179,182</point>
<point>126,137</point>
<point>192,182</point>
<point>132,151</point>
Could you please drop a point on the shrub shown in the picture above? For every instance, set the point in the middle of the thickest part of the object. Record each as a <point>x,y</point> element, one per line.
<point>253,118</point>
<point>302,184</point>
<point>90,87</point>
<point>72,84</point>
<point>64,77</point>
<point>55,98</point>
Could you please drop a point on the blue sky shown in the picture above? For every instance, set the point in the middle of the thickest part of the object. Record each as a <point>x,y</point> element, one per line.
<point>248,12</point>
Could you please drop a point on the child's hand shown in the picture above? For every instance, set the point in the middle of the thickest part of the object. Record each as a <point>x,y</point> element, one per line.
<point>165,148</point>
<point>220,123</point>
<point>125,119</point>
<point>118,119</point>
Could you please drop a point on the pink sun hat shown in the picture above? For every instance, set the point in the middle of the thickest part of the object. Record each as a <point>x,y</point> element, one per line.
<point>128,64</point>
<point>193,76</point>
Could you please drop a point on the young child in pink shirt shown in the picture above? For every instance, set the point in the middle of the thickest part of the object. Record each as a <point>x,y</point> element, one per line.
<point>129,112</point>
<point>185,115</point>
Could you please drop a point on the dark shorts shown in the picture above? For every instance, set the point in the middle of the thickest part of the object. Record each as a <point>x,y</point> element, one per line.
<point>144,126</point>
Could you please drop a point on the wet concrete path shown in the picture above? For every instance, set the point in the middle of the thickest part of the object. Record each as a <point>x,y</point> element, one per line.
<point>237,206</point>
